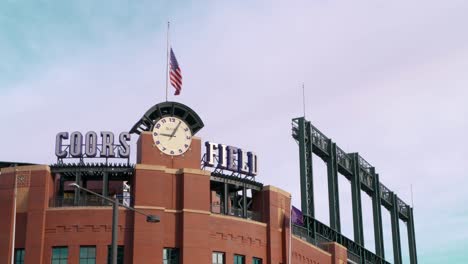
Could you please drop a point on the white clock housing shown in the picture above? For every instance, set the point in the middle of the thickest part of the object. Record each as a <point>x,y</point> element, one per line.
<point>172,136</point>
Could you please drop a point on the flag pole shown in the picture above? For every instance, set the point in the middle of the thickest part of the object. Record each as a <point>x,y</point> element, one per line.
<point>290,233</point>
<point>14,219</point>
<point>167,60</point>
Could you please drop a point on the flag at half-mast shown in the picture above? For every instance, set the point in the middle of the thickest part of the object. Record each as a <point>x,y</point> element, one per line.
<point>175,74</point>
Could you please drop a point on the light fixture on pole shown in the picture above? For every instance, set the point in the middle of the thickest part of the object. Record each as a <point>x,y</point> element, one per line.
<point>115,216</point>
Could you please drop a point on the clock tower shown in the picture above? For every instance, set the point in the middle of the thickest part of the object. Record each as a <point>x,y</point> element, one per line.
<point>168,182</point>
<point>167,136</point>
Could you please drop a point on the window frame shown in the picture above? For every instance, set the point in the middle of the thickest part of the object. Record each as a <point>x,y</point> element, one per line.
<point>239,256</point>
<point>60,259</point>
<point>168,253</point>
<point>21,256</point>
<point>256,260</point>
<point>217,254</point>
<point>86,260</point>
<point>120,254</point>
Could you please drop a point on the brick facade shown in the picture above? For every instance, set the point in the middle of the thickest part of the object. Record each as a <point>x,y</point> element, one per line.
<point>176,190</point>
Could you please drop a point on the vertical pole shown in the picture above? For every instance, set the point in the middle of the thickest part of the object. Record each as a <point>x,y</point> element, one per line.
<point>14,219</point>
<point>303,99</point>
<point>105,186</point>
<point>411,237</point>
<point>395,230</point>
<point>333,195</point>
<point>244,201</point>
<point>290,232</point>
<point>167,60</point>
<point>377,213</point>
<point>77,191</point>
<point>226,199</point>
<point>356,197</point>
<point>115,220</point>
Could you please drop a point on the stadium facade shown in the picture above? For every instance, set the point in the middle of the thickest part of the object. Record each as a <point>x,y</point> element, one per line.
<point>211,208</point>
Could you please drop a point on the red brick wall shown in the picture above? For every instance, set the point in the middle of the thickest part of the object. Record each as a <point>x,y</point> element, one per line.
<point>176,190</point>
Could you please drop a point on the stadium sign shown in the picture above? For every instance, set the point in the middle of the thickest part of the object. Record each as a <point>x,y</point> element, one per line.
<point>88,146</point>
<point>230,158</point>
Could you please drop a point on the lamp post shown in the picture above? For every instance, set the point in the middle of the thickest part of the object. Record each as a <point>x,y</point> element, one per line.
<point>115,216</point>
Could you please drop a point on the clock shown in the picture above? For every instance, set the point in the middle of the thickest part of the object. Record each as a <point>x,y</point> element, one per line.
<point>172,136</point>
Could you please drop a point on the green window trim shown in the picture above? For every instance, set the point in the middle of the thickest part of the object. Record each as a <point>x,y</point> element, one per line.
<point>59,255</point>
<point>87,254</point>
<point>19,255</point>
<point>239,259</point>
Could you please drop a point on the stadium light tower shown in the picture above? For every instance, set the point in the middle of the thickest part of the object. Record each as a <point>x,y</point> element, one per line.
<point>115,216</point>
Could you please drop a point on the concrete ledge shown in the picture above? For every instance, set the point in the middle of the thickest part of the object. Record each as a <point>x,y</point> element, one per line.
<point>26,168</point>
<point>276,189</point>
<point>312,246</point>
<point>194,171</point>
<point>238,219</point>
<point>172,171</point>
<point>196,211</point>
<point>337,244</point>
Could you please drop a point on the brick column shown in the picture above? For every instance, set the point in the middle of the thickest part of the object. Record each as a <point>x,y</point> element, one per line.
<point>7,183</point>
<point>277,205</point>
<point>38,202</point>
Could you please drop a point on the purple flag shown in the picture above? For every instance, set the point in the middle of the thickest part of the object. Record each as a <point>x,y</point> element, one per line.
<point>296,216</point>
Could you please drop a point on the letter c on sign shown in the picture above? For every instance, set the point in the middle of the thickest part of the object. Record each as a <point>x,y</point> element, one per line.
<point>58,145</point>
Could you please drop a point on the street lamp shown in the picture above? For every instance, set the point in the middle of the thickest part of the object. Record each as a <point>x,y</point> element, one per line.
<point>115,216</point>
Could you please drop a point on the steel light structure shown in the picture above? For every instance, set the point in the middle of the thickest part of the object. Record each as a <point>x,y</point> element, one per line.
<point>115,216</point>
<point>363,177</point>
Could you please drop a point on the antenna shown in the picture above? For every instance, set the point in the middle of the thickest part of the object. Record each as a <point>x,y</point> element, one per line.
<point>303,99</point>
<point>412,204</point>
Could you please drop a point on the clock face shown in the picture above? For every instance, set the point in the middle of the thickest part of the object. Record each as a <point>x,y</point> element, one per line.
<point>172,136</point>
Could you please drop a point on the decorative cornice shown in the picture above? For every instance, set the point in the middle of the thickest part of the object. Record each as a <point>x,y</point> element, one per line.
<point>277,190</point>
<point>312,246</point>
<point>26,168</point>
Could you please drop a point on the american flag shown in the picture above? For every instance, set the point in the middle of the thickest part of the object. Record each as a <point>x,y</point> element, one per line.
<point>175,74</point>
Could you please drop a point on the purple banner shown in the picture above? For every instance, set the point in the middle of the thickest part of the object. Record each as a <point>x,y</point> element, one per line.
<point>296,216</point>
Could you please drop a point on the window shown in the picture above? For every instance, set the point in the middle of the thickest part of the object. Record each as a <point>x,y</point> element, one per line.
<point>171,256</point>
<point>256,260</point>
<point>87,255</point>
<point>239,259</point>
<point>59,255</point>
<point>218,258</point>
<point>120,254</point>
<point>19,256</point>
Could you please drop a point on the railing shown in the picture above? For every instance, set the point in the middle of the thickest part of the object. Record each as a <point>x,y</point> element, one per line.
<point>366,178</point>
<point>302,233</point>
<point>385,194</point>
<point>319,139</point>
<point>344,160</point>
<point>324,233</point>
<point>237,212</point>
<point>87,200</point>
<point>402,207</point>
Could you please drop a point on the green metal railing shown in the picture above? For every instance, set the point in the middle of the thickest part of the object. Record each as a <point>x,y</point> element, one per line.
<point>316,233</point>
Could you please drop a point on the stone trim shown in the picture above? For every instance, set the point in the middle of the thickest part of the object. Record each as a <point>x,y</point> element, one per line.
<point>312,246</point>
<point>277,190</point>
<point>26,168</point>
<point>172,171</point>
<point>238,219</point>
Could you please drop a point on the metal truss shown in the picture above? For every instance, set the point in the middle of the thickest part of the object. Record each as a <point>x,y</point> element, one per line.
<point>362,177</point>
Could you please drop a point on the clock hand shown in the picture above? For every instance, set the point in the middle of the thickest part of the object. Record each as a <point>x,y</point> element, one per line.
<point>167,135</point>
<point>175,130</point>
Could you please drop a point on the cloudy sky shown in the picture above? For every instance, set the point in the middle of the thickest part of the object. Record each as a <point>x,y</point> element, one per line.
<point>387,79</point>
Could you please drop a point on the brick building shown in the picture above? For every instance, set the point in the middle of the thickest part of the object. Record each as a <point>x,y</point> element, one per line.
<point>204,217</point>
